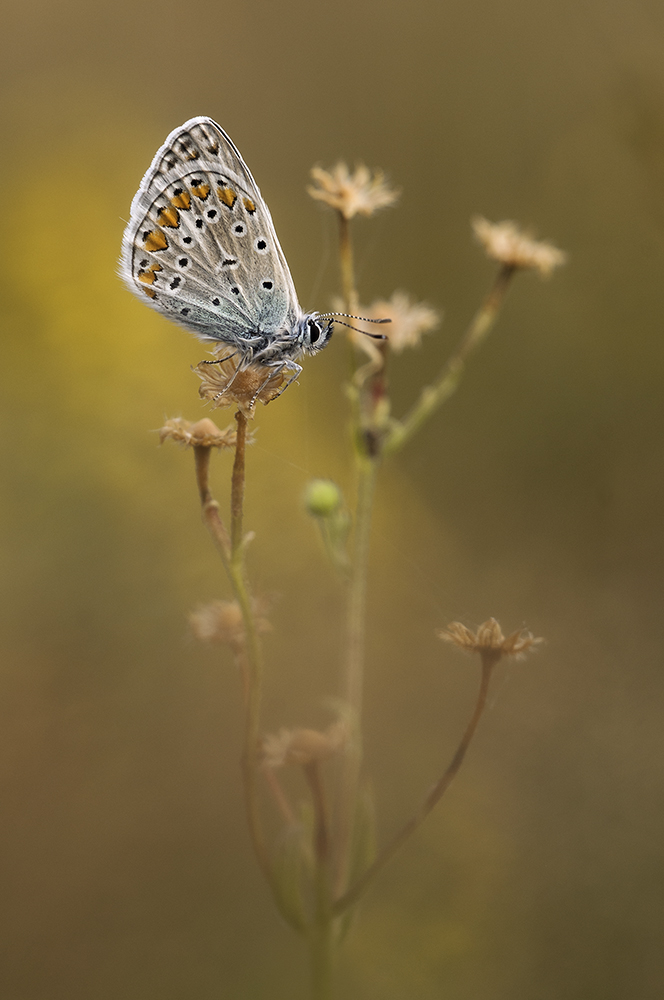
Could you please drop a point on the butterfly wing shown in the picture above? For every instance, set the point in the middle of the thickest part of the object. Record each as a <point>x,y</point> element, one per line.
<point>200,246</point>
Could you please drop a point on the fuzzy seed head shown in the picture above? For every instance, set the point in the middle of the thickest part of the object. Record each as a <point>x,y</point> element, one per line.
<point>304,746</point>
<point>224,385</point>
<point>203,434</point>
<point>221,622</point>
<point>506,243</point>
<point>489,640</point>
<point>409,321</point>
<point>356,193</point>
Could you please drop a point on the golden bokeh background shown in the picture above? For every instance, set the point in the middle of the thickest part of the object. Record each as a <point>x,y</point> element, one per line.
<point>535,496</point>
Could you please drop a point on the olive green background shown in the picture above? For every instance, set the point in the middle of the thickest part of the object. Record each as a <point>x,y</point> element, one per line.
<point>535,496</point>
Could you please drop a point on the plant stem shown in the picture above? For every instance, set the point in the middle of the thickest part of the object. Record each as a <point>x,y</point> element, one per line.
<point>445,385</point>
<point>349,291</point>
<point>354,680</point>
<point>367,465</point>
<point>237,485</point>
<point>321,932</point>
<point>321,944</point>
<point>430,800</point>
<point>231,551</point>
<point>210,507</point>
<point>254,657</point>
<point>321,832</point>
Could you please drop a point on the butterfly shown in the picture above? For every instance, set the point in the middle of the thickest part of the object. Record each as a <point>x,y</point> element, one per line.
<point>201,248</point>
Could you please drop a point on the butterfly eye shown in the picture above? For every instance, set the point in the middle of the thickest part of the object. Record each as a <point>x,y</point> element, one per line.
<point>314,332</point>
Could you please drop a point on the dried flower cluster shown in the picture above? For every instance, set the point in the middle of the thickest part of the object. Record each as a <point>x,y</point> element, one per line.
<point>225,384</point>
<point>203,434</point>
<point>409,320</point>
<point>357,193</point>
<point>221,622</point>
<point>304,746</point>
<point>506,243</point>
<point>489,640</point>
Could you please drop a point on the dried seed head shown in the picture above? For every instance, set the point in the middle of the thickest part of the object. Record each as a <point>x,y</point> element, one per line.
<point>409,321</point>
<point>203,434</point>
<point>221,622</point>
<point>489,640</point>
<point>357,193</point>
<point>304,746</point>
<point>224,385</point>
<point>506,243</point>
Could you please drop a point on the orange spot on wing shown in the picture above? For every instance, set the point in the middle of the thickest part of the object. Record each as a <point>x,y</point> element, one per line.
<point>249,205</point>
<point>149,276</point>
<point>154,240</point>
<point>227,196</point>
<point>169,216</point>
<point>150,292</point>
<point>181,200</point>
<point>201,191</point>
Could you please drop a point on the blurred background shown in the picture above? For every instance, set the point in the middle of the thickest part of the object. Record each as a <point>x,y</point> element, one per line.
<point>534,496</point>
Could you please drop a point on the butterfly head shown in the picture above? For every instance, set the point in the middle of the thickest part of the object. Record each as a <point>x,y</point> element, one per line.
<point>315,332</point>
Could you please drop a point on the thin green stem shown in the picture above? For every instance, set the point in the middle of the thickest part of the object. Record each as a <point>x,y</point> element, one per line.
<point>252,718</point>
<point>237,485</point>
<point>321,951</point>
<point>321,826</point>
<point>210,507</point>
<point>430,800</point>
<point>321,932</point>
<point>231,550</point>
<point>445,385</point>
<point>354,667</point>
<point>349,291</point>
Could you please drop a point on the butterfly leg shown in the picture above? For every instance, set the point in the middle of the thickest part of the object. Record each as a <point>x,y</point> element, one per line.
<point>277,369</point>
<point>219,361</point>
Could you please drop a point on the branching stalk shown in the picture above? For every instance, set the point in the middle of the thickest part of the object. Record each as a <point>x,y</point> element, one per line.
<point>354,680</point>
<point>431,799</point>
<point>435,395</point>
<point>231,550</point>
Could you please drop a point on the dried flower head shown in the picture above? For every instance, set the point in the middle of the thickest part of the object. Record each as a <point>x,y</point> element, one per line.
<point>203,434</point>
<point>304,746</point>
<point>225,384</point>
<point>506,243</point>
<point>357,193</point>
<point>489,640</point>
<point>409,321</point>
<point>221,622</point>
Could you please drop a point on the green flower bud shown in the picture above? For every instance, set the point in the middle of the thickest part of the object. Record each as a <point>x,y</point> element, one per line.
<point>322,498</point>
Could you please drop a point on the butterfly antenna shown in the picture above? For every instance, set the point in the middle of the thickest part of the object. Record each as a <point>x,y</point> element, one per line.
<point>374,336</point>
<point>362,319</point>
